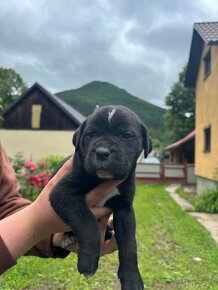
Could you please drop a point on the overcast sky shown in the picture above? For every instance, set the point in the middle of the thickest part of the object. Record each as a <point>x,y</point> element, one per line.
<point>138,45</point>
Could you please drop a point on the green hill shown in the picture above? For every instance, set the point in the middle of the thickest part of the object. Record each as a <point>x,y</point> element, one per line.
<point>95,93</point>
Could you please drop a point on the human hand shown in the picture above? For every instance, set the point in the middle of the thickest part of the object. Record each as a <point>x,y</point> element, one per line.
<point>39,220</point>
<point>92,198</point>
<point>69,241</point>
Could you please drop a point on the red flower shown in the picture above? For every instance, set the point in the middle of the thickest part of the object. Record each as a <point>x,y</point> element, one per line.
<point>42,164</point>
<point>30,165</point>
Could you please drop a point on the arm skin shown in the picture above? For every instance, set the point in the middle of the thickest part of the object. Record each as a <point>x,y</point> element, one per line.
<point>23,229</point>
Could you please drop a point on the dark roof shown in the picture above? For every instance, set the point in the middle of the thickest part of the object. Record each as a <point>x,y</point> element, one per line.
<point>72,113</point>
<point>184,140</point>
<point>205,32</point>
<point>208,31</point>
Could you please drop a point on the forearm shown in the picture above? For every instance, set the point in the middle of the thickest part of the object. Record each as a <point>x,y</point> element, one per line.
<point>22,230</point>
<point>19,232</point>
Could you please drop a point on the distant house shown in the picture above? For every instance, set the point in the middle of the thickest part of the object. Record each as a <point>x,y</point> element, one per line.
<point>202,74</point>
<point>183,151</point>
<point>39,124</point>
<point>38,109</point>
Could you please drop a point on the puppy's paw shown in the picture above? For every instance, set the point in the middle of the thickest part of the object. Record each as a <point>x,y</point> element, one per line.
<point>87,264</point>
<point>131,281</point>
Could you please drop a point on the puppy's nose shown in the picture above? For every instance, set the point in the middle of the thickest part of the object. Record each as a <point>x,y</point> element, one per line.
<point>102,153</point>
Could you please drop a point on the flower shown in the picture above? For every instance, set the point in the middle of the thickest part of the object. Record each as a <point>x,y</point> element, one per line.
<point>30,165</point>
<point>42,164</point>
<point>36,177</point>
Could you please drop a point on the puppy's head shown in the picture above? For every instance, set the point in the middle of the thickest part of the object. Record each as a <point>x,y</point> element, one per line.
<point>110,141</point>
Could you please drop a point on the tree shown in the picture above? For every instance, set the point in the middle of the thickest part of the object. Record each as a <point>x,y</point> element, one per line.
<point>11,87</point>
<point>179,118</point>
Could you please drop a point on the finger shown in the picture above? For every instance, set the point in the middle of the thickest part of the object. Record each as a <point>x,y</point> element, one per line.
<point>103,222</point>
<point>111,222</point>
<point>100,212</point>
<point>109,246</point>
<point>99,192</point>
<point>56,239</point>
<point>102,227</point>
<point>62,171</point>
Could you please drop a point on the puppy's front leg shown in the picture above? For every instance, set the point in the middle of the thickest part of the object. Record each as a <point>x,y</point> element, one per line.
<point>72,208</point>
<point>124,226</point>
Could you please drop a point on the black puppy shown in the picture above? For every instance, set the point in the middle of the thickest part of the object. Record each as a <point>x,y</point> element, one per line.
<point>107,146</point>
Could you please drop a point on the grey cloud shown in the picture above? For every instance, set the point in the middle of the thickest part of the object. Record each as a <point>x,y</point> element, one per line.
<point>138,45</point>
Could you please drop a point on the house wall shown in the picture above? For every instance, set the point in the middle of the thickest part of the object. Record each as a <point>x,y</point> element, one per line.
<point>207,114</point>
<point>37,144</point>
<point>204,184</point>
<point>51,117</point>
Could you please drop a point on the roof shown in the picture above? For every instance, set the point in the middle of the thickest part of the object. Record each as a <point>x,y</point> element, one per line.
<point>203,33</point>
<point>72,113</point>
<point>184,140</point>
<point>208,32</point>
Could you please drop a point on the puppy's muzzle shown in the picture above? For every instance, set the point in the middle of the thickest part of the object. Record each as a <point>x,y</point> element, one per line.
<point>102,153</point>
<point>103,161</point>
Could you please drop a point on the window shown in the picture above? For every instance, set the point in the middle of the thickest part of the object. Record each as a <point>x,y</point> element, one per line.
<point>207,63</point>
<point>36,116</point>
<point>207,139</point>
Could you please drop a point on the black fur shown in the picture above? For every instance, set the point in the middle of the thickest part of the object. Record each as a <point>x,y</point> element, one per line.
<point>104,149</point>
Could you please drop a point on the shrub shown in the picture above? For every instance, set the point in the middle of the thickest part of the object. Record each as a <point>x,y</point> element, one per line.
<point>18,162</point>
<point>34,176</point>
<point>34,179</point>
<point>51,162</point>
<point>208,202</point>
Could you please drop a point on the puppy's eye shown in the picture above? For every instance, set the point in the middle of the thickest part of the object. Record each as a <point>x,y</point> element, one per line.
<point>90,134</point>
<point>127,135</point>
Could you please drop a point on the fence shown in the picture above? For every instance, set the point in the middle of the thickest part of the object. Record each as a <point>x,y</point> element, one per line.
<point>167,173</point>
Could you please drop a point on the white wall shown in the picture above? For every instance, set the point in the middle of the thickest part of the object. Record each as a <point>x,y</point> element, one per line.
<point>204,184</point>
<point>37,144</point>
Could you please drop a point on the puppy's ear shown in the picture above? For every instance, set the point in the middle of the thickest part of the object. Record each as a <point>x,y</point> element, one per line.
<point>147,143</point>
<point>77,135</point>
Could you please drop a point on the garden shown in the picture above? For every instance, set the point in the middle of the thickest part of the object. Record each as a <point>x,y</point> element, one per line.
<point>33,176</point>
<point>174,251</point>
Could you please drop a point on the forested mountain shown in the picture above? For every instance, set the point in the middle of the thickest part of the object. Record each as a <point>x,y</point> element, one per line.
<point>85,99</point>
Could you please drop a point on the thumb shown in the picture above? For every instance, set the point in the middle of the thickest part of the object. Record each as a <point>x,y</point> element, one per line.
<point>100,212</point>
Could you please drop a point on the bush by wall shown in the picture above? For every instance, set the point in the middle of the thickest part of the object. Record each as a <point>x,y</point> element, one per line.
<point>34,176</point>
<point>208,202</point>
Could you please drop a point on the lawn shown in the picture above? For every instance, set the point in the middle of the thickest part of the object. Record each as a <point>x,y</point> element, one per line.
<point>191,197</point>
<point>174,251</point>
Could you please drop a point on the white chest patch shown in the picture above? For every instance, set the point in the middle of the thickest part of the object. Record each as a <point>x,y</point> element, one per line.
<point>113,193</point>
<point>110,115</point>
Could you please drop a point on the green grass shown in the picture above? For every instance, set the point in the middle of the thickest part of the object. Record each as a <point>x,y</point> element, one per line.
<point>191,197</point>
<point>168,241</point>
<point>206,202</point>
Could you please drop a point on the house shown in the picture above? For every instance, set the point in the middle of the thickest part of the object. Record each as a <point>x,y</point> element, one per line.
<point>183,151</point>
<point>38,109</point>
<point>202,74</point>
<point>39,124</point>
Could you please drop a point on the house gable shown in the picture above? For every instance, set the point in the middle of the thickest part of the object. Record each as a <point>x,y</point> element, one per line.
<point>202,73</point>
<point>203,34</point>
<point>39,109</point>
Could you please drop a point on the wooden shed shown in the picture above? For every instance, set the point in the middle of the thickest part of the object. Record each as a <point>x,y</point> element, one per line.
<point>39,124</point>
<point>38,109</point>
